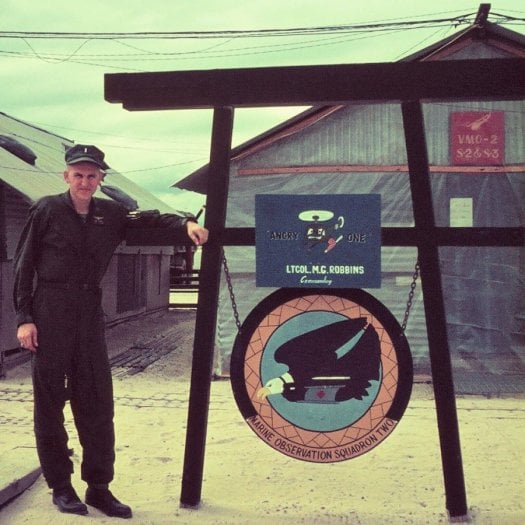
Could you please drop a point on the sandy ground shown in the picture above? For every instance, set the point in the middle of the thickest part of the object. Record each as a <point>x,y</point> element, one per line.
<point>248,482</point>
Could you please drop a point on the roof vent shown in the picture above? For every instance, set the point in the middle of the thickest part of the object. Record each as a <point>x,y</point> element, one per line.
<point>18,149</point>
<point>120,196</point>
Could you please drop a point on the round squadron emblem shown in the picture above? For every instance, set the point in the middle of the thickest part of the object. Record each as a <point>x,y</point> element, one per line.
<point>322,376</point>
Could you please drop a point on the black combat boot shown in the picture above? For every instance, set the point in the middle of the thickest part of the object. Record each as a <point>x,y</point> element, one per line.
<point>103,500</point>
<point>66,499</point>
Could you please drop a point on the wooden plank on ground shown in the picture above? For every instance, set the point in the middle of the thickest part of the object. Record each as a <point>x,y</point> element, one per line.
<point>19,469</point>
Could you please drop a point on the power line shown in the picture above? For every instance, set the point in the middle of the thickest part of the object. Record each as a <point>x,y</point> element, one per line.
<point>206,53</point>
<point>106,59</point>
<point>245,33</point>
<point>326,35</point>
<point>256,33</point>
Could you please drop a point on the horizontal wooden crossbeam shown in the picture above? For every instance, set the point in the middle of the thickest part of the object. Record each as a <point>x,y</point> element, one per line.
<point>311,85</point>
<point>390,236</point>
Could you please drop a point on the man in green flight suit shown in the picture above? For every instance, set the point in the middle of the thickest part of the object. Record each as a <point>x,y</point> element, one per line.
<point>68,242</point>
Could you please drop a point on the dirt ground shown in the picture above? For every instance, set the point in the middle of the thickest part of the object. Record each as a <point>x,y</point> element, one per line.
<point>248,482</point>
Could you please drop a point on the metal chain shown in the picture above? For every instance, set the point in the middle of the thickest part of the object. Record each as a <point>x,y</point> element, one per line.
<point>235,310</point>
<point>230,289</point>
<point>410,296</point>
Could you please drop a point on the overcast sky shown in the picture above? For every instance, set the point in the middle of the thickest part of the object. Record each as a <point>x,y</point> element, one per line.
<point>58,84</point>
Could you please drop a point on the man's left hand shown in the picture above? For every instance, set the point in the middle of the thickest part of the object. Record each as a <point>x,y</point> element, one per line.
<point>197,233</point>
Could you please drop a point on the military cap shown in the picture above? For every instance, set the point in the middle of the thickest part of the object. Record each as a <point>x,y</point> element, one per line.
<point>83,153</point>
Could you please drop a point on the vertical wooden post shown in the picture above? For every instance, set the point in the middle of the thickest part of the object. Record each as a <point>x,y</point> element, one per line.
<point>3,258</point>
<point>205,323</point>
<point>440,360</point>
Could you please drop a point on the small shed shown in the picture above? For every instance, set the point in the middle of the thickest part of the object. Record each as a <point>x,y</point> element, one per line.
<point>477,160</point>
<point>31,166</point>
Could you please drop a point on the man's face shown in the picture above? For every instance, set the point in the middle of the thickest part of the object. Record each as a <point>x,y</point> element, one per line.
<point>83,179</point>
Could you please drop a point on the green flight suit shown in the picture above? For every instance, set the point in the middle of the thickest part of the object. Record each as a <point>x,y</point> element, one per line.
<point>69,256</point>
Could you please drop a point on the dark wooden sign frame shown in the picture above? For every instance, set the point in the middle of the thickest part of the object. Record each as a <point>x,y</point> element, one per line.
<point>410,84</point>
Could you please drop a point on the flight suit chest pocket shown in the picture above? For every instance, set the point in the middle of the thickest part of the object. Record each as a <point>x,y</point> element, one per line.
<point>62,237</point>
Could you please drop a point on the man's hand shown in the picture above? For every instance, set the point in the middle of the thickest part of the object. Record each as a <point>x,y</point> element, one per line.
<point>197,233</point>
<point>27,336</point>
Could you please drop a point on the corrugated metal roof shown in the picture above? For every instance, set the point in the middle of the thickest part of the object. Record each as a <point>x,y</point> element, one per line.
<point>45,177</point>
<point>511,43</point>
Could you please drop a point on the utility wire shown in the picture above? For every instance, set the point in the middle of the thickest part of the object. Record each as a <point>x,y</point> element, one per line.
<point>208,53</point>
<point>256,33</point>
<point>251,33</point>
<point>334,34</point>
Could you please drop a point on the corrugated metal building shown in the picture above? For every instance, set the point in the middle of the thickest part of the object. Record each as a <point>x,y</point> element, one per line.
<point>137,280</point>
<point>477,159</point>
